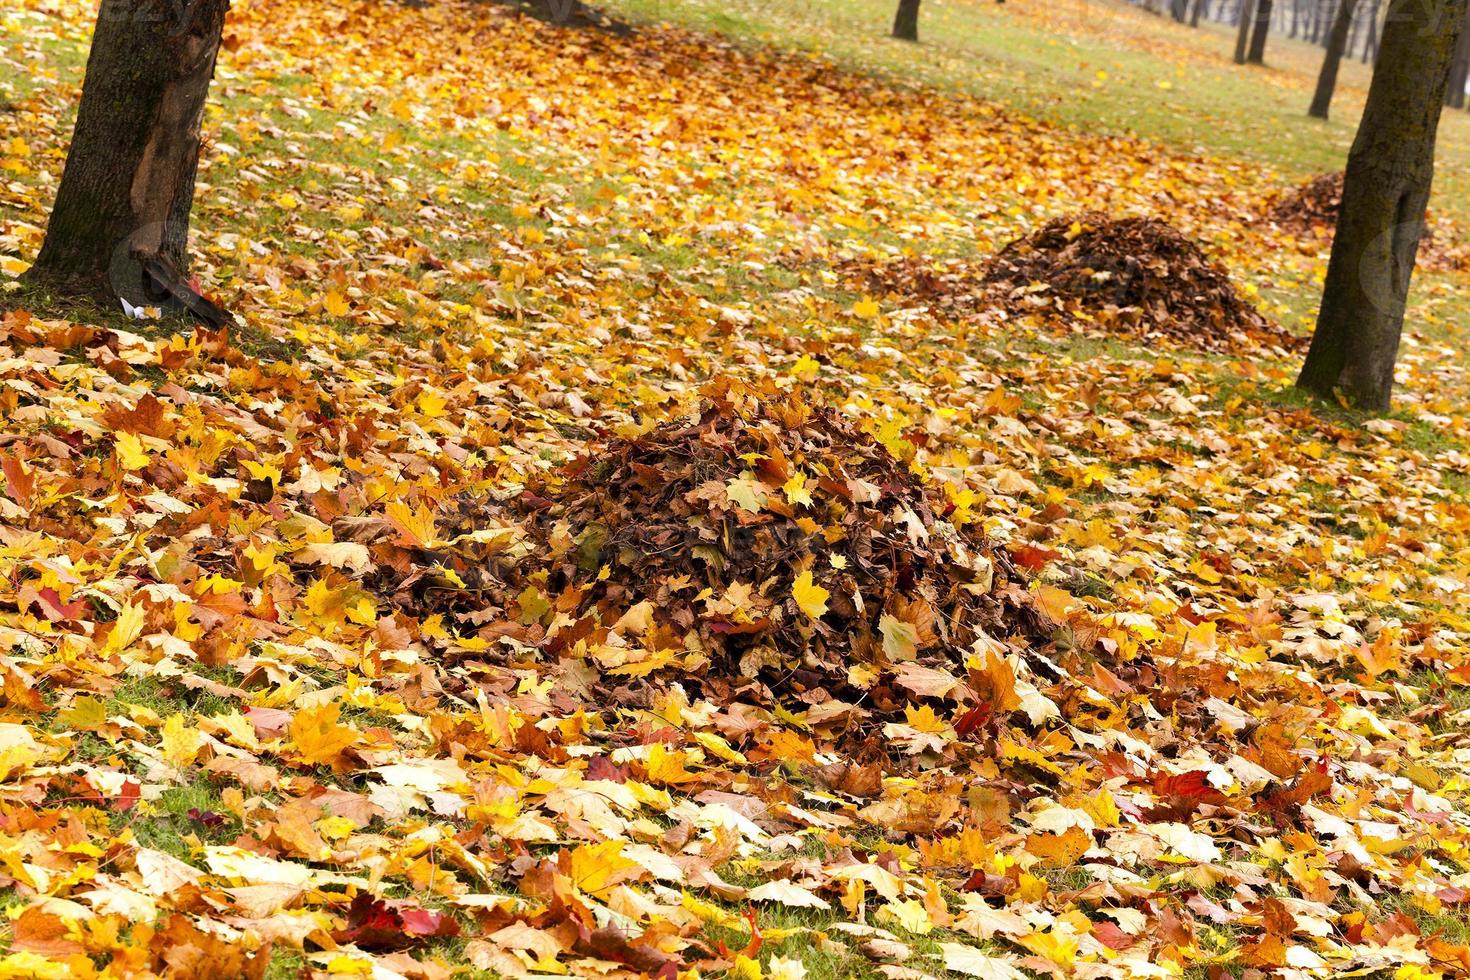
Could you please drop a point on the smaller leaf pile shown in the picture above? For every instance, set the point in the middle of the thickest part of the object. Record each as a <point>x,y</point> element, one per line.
<point>945,286</point>
<point>1130,275</point>
<point>768,551</point>
<point>1311,210</point>
<point>1312,205</point>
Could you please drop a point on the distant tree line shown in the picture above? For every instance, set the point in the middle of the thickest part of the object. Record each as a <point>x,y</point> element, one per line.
<point>1343,28</point>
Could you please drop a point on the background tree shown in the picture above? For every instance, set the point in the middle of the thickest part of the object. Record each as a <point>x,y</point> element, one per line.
<point>1257,53</point>
<point>1242,30</point>
<point>1384,196</point>
<point>1336,42</point>
<point>1370,46</point>
<point>906,21</point>
<point>120,224</point>
<point>1454,95</point>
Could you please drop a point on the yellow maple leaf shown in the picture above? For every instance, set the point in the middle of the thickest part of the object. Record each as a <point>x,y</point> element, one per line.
<point>796,491</point>
<point>415,527</point>
<point>127,628</point>
<point>181,743</point>
<point>336,304</point>
<point>130,451</point>
<point>812,598</point>
<point>666,765</point>
<point>319,739</point>
<point>1060,949</point>
<point>866,308</point>
<point>909,915</point>
<point>431,404</point>
<point>597,868</point>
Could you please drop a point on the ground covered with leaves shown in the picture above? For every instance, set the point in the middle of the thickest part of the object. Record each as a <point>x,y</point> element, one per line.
<point>620,539</point>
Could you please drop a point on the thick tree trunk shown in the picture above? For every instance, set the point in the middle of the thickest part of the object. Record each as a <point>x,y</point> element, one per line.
<point>1384,195</point>
<point>906,21</point>
<point>121,218</point>
<point>1257,54</point>
<point>1242,30</point>
<point>1327,78</point>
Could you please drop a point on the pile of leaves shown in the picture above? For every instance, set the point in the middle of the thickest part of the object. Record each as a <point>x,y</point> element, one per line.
<point>773,553</point>
<point>1312,205</point>
<point>943,286</point>
<point>1132,275</point>
<point>1312,209</point>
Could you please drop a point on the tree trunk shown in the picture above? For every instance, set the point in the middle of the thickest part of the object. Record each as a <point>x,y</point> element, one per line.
<point>121,218</point>
<point>1257,54</point>
<point>1243,30</point>
<point>1384,195</point>
<point>1454,95</point>
<point>1327,78</point>
<point>1370,46</point>
<point>1195,9</point>
<point>906,22</point>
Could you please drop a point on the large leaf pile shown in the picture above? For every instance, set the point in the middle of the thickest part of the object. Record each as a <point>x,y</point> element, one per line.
<point>771,551</point>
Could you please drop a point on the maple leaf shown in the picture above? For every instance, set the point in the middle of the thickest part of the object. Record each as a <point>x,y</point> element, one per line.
<point>900,639</point>
<point>597,868</point>
<point>318,738</point>
<point>130,451</point>
<point>810,598</point>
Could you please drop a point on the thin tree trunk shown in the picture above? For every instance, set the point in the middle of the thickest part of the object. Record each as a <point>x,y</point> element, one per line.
<point>1243,30</point>
<point>1384,195</point>
<point>1327,78</point>
<point>1370,46</point>
<point>1319,13</point>
<point>906,21</point>
<point>120,224</point>
<point>1195,10</point>
<point>1352,41</point>
<point>1257,54</point>
<point>1454,95</point>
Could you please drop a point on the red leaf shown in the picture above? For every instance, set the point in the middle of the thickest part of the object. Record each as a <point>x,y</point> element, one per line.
<point>422,922</point>
<point>1111,936</point>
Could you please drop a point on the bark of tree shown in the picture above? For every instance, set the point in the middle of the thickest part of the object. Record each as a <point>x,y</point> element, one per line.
<point>1195,10</point>
<point>1327,77</point>
<point>1257,53</point>
<point>1385,192</point>
<point>906,21</point>
<point>1243,30</point>
<point>120,223</point>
